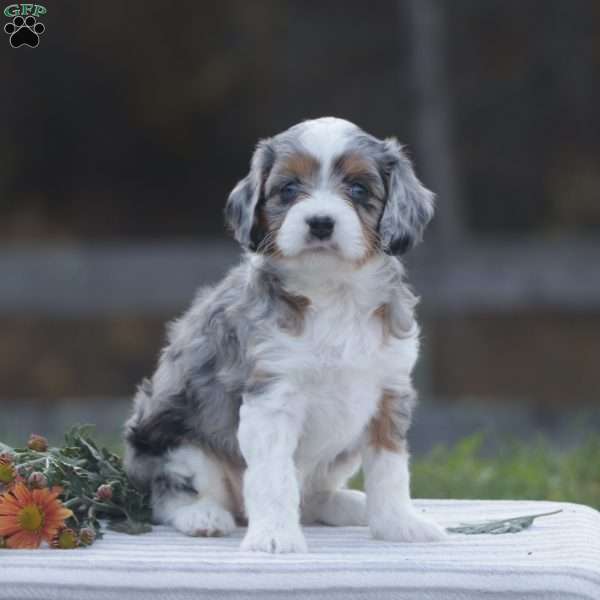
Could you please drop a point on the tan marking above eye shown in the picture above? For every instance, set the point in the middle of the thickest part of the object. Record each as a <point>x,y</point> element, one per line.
<point>353,165</point>
<point>301,165</point>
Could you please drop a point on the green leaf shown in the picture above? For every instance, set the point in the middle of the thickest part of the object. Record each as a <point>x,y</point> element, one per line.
<point>5,448</point>
<point>129,527</point>
<point>512,525</point>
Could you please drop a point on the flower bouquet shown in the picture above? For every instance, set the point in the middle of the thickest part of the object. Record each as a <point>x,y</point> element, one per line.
<point>62,495</point>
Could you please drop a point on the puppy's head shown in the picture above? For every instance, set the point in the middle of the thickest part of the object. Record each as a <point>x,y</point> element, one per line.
<point>326,186</point>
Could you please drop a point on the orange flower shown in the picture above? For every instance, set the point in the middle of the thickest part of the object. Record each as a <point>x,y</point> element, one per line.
<point>29,516</point>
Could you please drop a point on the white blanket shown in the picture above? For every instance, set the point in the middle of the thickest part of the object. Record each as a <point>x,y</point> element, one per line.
<point>557,558</point>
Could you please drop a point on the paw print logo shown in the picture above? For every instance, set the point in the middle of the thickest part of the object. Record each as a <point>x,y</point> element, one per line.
<point>24,31</point>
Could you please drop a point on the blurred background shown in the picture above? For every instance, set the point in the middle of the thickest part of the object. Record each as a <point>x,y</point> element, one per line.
<point>124,131</point>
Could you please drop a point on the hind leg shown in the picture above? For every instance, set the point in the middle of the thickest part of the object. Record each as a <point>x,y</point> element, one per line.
<point>327,501</point>
<point>191,493</point>
<point>339,508</point>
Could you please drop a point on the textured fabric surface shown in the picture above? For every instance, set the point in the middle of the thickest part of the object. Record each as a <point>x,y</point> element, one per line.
<point>557,558</point>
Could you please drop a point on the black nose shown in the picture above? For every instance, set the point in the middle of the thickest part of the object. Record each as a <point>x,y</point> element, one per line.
<point>321,227</point>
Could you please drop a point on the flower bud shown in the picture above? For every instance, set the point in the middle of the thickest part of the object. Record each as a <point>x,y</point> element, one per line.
<point>8,473</point>
<point>65,539</point>
<point>37,480</point>
<point>104,493</point>
<point>7,457</point>
<point>37,442</point>
<point>87,536</point>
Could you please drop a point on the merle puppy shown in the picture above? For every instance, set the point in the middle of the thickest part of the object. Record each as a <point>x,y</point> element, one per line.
<point>279,382</point>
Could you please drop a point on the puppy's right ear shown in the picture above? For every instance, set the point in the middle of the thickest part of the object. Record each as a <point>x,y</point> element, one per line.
<point>241,210</point>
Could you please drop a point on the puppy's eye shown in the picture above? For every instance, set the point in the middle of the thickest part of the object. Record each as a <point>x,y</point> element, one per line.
<point>289,192</point>
<point>358,192</point>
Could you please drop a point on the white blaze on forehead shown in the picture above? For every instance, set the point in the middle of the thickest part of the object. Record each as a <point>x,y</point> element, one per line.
<point>326,138</point>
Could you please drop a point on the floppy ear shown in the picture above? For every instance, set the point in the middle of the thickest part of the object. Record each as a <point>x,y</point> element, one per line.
<point>243,202</point>
<point>409,205</point>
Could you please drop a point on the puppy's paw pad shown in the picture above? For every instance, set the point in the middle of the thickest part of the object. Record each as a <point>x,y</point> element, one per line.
<point>205,519</point>
<point>274,540</point>
<point>407,526</point>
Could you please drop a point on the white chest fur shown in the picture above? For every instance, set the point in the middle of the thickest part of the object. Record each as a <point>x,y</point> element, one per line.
<point>341,352</point>
<point>336,369</point>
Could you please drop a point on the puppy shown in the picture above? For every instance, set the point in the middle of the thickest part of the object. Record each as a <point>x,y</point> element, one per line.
<point>278,383</point>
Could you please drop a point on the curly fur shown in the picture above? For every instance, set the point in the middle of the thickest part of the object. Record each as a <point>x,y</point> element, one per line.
<point>278,382</point>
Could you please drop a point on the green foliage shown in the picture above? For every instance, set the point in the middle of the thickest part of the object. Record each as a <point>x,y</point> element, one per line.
<point>80,467</point>
<point>513,525</point>
<point>517,470</point>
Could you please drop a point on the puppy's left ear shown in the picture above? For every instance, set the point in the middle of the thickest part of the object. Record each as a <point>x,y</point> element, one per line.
<point>241,209</point>
<point>409,205</point>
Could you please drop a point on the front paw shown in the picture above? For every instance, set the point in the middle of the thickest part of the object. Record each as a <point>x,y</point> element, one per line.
<point>273,539</point>
<point>405,526</point>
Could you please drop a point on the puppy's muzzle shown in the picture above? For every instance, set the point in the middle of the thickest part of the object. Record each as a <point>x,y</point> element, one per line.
<point>320,227</point>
